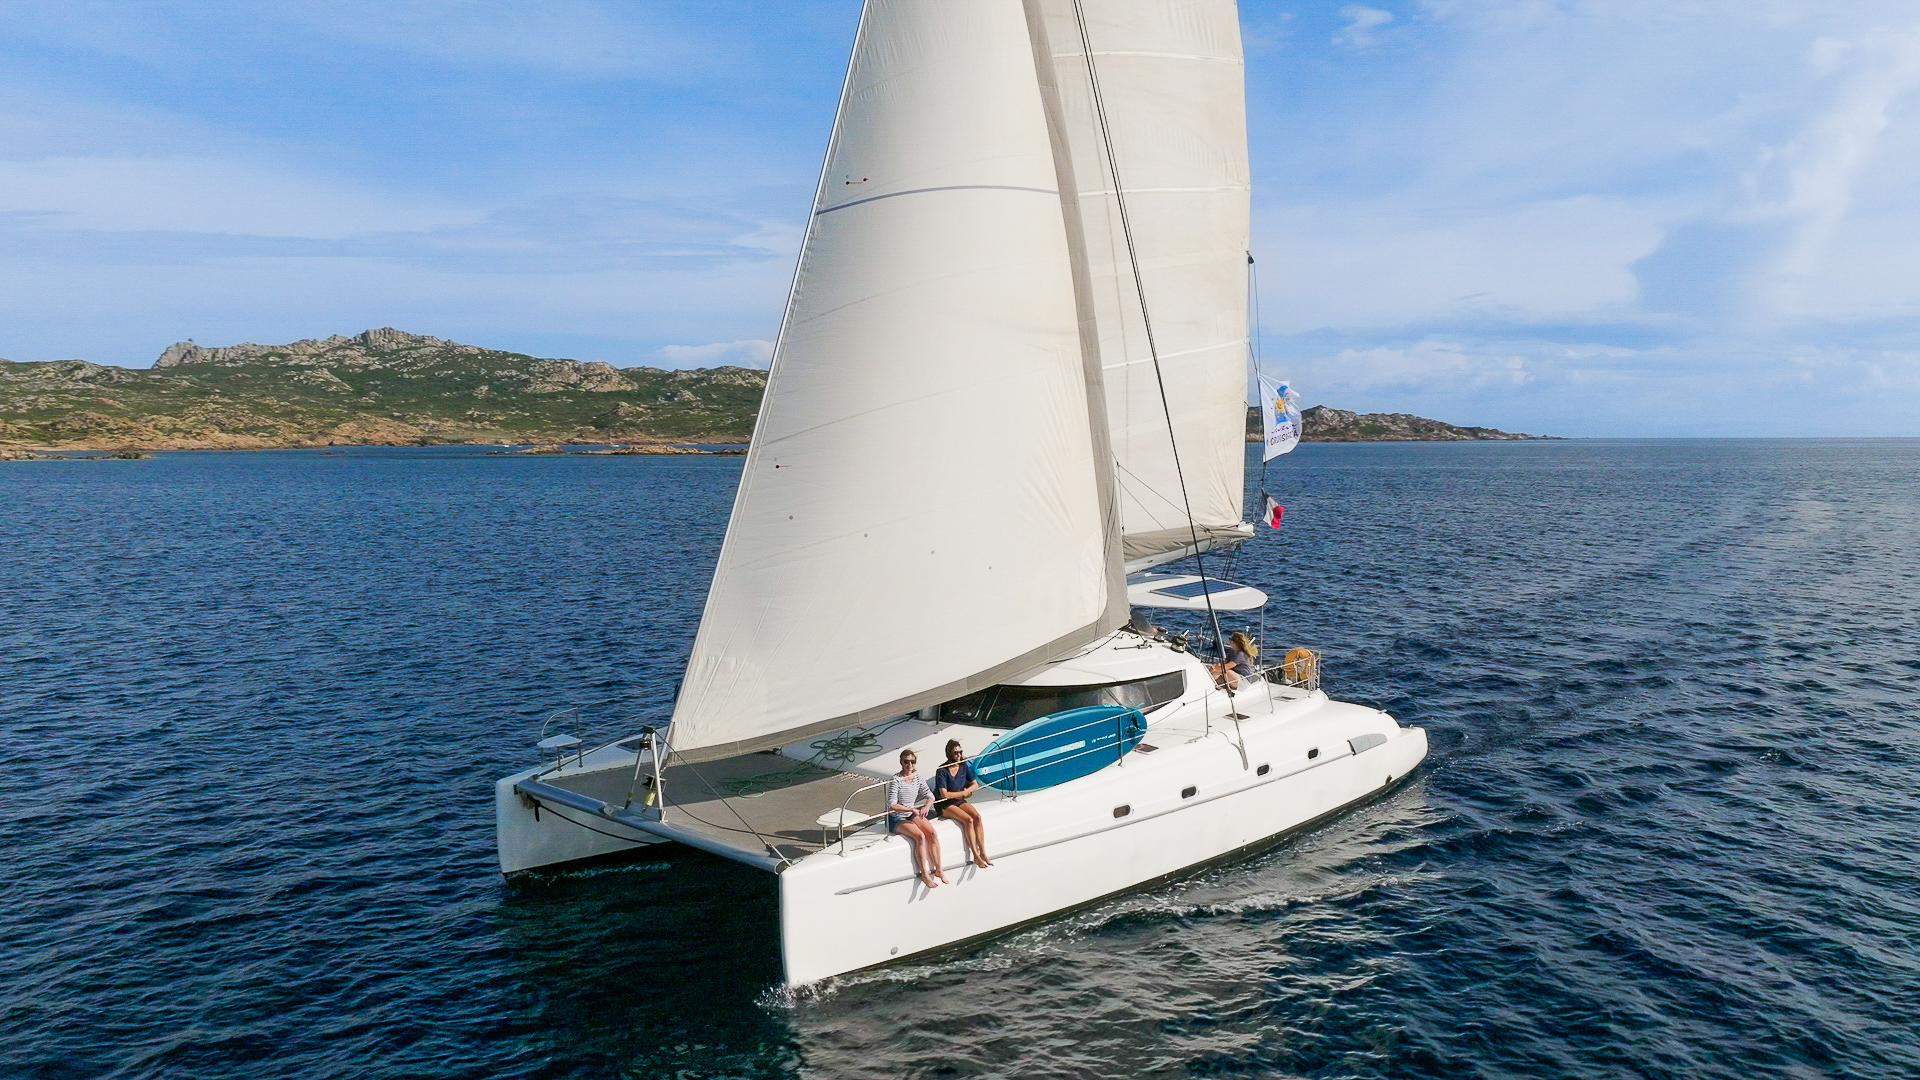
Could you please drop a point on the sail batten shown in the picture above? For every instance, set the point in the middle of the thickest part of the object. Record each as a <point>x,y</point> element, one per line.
<point>923,510</point>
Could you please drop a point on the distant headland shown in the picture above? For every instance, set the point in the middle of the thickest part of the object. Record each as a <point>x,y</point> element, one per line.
<point>1322,423</point>
<point>387,387</point>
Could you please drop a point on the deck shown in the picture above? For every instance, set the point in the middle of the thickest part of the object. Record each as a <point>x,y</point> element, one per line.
<point>755,804</point>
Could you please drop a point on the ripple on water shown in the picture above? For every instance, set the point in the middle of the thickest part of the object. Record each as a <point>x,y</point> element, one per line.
<point>1668,827</point>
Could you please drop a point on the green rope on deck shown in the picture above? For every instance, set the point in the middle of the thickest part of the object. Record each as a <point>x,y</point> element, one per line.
<point>752,787</point>
<point>844,746</point>
<point>829,752</point>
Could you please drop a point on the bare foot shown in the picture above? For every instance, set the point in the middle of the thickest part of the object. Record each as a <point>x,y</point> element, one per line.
<point>942,874</point>
<point>982,861</point>
<point>929,882</point>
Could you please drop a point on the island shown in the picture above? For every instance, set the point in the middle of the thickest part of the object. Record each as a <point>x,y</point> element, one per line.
<point>380,387</point>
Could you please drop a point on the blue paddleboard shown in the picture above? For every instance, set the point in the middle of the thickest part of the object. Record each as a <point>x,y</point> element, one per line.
<point>1058,748</point>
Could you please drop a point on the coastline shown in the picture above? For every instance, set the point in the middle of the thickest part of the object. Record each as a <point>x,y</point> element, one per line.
<point>600,448</point>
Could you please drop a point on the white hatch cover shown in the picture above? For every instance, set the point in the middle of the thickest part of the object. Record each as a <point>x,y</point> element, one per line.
<point>1190,592</point>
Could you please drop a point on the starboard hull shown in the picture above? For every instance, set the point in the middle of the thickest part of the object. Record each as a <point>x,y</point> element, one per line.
<point>844,913</point>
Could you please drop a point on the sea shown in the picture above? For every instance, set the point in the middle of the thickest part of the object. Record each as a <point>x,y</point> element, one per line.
<point>253,706</point>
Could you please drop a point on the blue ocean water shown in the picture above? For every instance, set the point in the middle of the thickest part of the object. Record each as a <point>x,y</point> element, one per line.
<point>253,706</point>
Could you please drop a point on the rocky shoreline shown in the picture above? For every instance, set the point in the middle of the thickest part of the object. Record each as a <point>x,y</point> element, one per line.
<point>1324,424</point>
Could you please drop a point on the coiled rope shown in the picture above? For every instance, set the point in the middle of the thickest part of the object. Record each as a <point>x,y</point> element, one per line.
<point>833,752</point>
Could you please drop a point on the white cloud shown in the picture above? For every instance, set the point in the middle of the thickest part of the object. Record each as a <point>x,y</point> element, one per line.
<point>1745,387</point>
<point>571,36</point>
<point>577,38</point>
<point>212,195</point>
<point>1810,181</point>
<point>1381,263</point>
<point>749,353</point>
<point>1452,364</point>
<point>1361,23</point>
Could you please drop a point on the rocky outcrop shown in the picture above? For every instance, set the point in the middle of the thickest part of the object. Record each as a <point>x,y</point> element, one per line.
<point>418,355</point>
<point>1324,424</point>
<point>551,376</point>
<point>366,347</point>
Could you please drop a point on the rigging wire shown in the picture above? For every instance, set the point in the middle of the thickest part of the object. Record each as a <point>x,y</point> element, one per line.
<point>1259,369</point>
<point>1146,319</point>
<point>728,803</point>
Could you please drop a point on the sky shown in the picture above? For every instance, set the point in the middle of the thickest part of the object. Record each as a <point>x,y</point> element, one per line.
<point>1611,218</point>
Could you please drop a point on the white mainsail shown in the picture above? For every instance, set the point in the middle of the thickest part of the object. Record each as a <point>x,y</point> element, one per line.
<point>925,506</point>
<point>1171,77</point>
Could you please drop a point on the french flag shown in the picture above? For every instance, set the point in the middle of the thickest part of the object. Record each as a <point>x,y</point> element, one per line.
<point>1273,513</point>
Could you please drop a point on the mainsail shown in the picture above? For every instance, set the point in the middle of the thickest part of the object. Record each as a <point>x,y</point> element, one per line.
<point>1171,78</point>
<point>925,506</point>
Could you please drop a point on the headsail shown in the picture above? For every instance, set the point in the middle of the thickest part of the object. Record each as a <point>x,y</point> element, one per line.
<point>1171,77</point>
<point>922,511</point>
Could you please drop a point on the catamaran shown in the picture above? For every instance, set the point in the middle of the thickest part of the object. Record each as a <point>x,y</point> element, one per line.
<point>1008,393</point>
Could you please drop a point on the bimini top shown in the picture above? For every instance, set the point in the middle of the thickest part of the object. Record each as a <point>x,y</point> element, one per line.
<point>1191,592</point>
<point>1124,657</point>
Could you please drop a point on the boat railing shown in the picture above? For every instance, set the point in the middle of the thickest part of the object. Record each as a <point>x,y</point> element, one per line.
<point>1118,751</point>
<point>1300,668</point>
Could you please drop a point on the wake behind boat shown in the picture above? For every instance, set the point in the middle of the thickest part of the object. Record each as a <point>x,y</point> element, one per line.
<point>1011,374</point>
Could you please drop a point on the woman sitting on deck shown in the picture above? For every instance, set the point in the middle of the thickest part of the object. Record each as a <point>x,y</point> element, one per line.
<point>908,799</point>
<point>1241,653</point>
<point>952,784</point>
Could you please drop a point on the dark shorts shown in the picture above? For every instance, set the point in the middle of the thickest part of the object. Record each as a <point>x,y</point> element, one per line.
<point>942,804</point>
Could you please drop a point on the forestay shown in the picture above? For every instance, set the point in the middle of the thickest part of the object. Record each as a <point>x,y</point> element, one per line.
<point>922,510</point>
<point>1171,76</point>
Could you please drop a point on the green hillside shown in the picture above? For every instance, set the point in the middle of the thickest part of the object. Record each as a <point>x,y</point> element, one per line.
<point>381,386</point>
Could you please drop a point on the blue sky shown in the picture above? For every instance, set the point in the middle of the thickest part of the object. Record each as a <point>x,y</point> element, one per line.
<point>1685,217</point>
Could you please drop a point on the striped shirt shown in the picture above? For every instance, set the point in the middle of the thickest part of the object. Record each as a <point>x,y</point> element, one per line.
<point>907,792</point>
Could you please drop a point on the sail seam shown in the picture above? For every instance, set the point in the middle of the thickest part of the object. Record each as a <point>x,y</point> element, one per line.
<point>924,190</point>
<point>1215,347</point>
<point>1170,190</point>
<point>1161,55</point>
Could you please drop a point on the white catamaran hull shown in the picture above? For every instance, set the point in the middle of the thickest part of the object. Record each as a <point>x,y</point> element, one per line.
<point>531,833</point>
<point>1063,848</point>
<point>1200,786</point>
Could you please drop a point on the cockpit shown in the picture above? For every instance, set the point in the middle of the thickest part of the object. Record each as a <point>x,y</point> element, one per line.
<point>1007,707</point>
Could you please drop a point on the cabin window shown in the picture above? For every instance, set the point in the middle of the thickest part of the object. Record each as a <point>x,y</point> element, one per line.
<point>1189,792</point>
<point>1313,753</point>
<point>1262,770</point>
<point>1011,706</point>
<point>1123,810</point>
